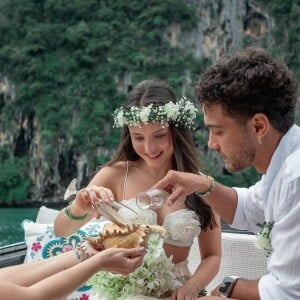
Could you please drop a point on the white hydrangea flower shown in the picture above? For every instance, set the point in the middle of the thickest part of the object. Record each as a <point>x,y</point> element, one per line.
<point>263,243</point>
<point>263,238</point>
<point>153,278</point>
<point>145,113</point>
<point>190,107</point>
<point>120,120</point>
<point>172,111</point>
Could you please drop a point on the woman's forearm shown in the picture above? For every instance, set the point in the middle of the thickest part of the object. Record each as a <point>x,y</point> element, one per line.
<point>58,276</point>
<point>23,274</point>
<point>24,281</point>
<point>64,226</point>
<point>206,271</point>
<point>52,278</point>
<point>63,283</point>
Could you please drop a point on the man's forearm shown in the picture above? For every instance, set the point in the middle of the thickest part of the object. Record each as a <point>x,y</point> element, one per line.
<point>245,290</point>
<point>223,201</point>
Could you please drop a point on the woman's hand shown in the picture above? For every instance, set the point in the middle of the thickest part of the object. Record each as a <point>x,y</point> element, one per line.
<point>185,292</point>
<point>215,291</point>
<point>121,261</point>
<point>89,196</point>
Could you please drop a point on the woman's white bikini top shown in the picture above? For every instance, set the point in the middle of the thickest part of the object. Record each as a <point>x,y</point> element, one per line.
<point>181,225</point>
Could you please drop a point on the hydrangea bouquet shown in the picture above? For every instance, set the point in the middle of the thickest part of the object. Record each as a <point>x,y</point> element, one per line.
<point>153,278</point>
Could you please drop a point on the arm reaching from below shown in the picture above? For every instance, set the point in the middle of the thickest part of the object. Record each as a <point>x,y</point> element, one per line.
<point>57,277</point>
<point>210,250</point>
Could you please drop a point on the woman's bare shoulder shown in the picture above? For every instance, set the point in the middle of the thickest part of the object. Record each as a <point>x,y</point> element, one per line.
<point>105,175</point>
<point>116,168</point>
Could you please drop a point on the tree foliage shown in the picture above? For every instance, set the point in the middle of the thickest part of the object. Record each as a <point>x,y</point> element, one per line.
<point>67,60</point>
<point>286,30</point>
<point>14,181</point>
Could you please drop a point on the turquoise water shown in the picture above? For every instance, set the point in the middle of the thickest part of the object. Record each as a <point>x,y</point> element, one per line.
<point>11,219</point>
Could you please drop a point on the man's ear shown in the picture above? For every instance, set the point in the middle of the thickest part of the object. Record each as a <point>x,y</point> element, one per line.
<point>261,125</point>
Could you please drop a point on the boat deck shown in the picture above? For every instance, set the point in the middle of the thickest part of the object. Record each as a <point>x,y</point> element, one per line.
<point>13,254</point>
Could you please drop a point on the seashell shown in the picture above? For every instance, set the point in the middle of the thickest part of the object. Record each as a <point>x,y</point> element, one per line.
<point>131,236</point>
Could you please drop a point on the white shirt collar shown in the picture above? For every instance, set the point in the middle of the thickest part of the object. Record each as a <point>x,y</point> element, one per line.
<point>288,143</point>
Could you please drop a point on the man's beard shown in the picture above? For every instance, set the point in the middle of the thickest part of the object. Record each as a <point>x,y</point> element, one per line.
<point>241,161</point>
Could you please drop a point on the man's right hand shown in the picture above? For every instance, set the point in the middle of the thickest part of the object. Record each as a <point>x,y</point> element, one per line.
<point>181,184</point>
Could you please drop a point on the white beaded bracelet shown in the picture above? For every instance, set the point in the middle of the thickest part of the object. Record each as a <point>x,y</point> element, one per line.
<point>211,187</point>
<point>82,252</point>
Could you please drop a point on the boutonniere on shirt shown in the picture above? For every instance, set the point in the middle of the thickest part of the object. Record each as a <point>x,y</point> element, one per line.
<point>263,238</point>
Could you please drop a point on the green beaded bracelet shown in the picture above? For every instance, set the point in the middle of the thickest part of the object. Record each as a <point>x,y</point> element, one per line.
<point>211,188</point>
<point>69,215</point>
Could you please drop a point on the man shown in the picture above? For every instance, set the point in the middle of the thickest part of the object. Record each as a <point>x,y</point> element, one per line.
<point>249,106</point>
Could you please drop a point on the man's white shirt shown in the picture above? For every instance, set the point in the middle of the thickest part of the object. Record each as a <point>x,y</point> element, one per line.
<point>276,198</point>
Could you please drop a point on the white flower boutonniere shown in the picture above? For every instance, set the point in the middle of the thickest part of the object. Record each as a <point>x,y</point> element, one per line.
<point>263,238</point>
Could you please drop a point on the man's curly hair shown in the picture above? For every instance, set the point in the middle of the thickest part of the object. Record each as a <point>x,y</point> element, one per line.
<point>251,82</point>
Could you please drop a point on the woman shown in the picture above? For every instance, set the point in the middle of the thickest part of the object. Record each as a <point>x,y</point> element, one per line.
<point>155,139</point>
<point>56,277</point>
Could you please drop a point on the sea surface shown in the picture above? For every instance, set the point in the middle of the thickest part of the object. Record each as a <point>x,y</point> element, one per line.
<point>11,230</point>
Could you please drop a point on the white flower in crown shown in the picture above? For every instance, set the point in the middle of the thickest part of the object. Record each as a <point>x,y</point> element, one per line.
<point>145,113</point>
<point>189,107</point>
<point>172,111</point>
<point>181,113</point>
<point>120,118</point>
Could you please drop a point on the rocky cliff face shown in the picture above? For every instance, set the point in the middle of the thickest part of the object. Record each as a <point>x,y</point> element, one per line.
<point>223,26</point>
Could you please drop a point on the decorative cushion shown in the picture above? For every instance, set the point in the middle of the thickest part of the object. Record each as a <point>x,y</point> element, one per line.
<point>46,215</point>
<point>42,243</point>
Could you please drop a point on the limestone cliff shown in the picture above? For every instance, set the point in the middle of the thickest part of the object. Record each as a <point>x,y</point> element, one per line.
<point>223,26</point>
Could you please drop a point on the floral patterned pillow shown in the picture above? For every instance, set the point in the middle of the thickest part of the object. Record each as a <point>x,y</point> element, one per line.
<point>42,243</point>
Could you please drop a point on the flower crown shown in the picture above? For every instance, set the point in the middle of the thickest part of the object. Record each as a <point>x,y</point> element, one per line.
<point>181,113</point>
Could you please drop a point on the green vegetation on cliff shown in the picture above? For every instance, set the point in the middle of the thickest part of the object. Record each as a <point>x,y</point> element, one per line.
<point>67,58</point>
